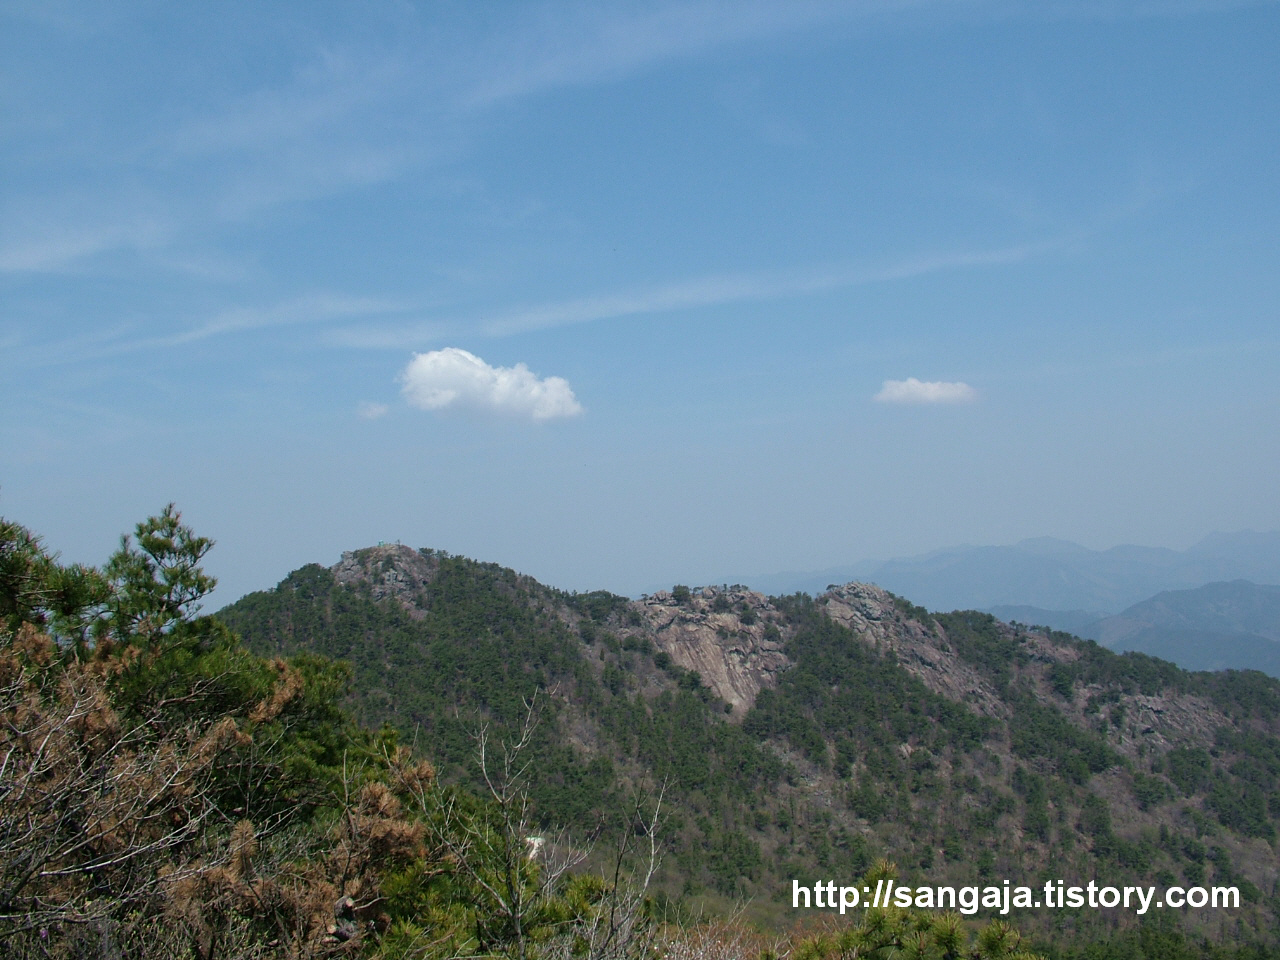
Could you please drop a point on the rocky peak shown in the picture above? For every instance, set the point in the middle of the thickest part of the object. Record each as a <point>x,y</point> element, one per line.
<point>391,570</point>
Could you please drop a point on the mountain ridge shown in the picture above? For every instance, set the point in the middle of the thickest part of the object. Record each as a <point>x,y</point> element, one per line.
<point>800,735</point>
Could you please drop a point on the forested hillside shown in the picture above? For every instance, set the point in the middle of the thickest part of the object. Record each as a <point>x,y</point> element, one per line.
<point>165,793</point>
<point>804,737</point>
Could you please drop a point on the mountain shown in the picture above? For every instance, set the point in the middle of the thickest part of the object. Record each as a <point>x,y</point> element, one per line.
<point>802,737</point>
<point>1237,607</point>
<point>1054,575</point>
<point>1214,627</point>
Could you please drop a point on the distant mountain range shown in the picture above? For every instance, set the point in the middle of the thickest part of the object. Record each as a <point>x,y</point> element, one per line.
<point>1052,575</point>
<point>1219,626</point>
<point>1205,608</point>
<point>1214,627</point>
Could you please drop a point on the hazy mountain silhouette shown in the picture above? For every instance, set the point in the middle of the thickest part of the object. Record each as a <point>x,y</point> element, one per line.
<point>1214,627</point>
<point>1055,576</point>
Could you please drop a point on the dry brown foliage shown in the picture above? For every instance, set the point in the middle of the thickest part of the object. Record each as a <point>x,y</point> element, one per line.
<point>88,802</point>
<point>112,842</point>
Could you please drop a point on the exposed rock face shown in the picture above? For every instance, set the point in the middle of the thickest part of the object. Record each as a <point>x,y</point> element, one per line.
<point>873,616</point>
<point>391,570</point>
<point>1165,721</point>
<point>1158,721</point>
<point>727,636</point>
<point>730,638</point>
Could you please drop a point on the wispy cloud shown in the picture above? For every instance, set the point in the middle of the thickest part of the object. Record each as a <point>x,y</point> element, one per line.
<point>331,89</point>
<point>456,379</point>
<point>55,237</point>
<point>558,45</point>
<point>553,45</point>
<point>562,44</point>
<point>916,391</point>
<point>350,321</point>
<point>349,115</point>
<point>368,410</point>
<point>313,309</point>
<point>341,121</point>
<point>316,308</point>
<point>49,254</point>
<point>735,288</point>
<point>712,290</point>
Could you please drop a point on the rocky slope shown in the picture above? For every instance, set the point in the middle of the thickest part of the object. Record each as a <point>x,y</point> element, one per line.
<point>727,636</point>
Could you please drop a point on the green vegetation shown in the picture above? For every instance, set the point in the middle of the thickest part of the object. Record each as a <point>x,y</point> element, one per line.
<point>275,798</point>
<point>943,788</point>
<point>1241,788</point>
<point>861,701</point>
<point>1160,940</point>
<point>476,654</point>
<point>479,644</point>
<point>165,793</point>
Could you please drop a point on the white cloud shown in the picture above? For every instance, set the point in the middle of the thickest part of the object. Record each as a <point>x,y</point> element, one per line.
<point>369,410</point>
<point>912,390</point>
<point>453,378</point>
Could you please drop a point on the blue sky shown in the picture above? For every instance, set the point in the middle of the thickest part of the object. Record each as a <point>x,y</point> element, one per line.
<point>624,294</point>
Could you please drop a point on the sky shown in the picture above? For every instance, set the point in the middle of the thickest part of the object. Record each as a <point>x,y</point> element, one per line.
<point>623,294</point>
